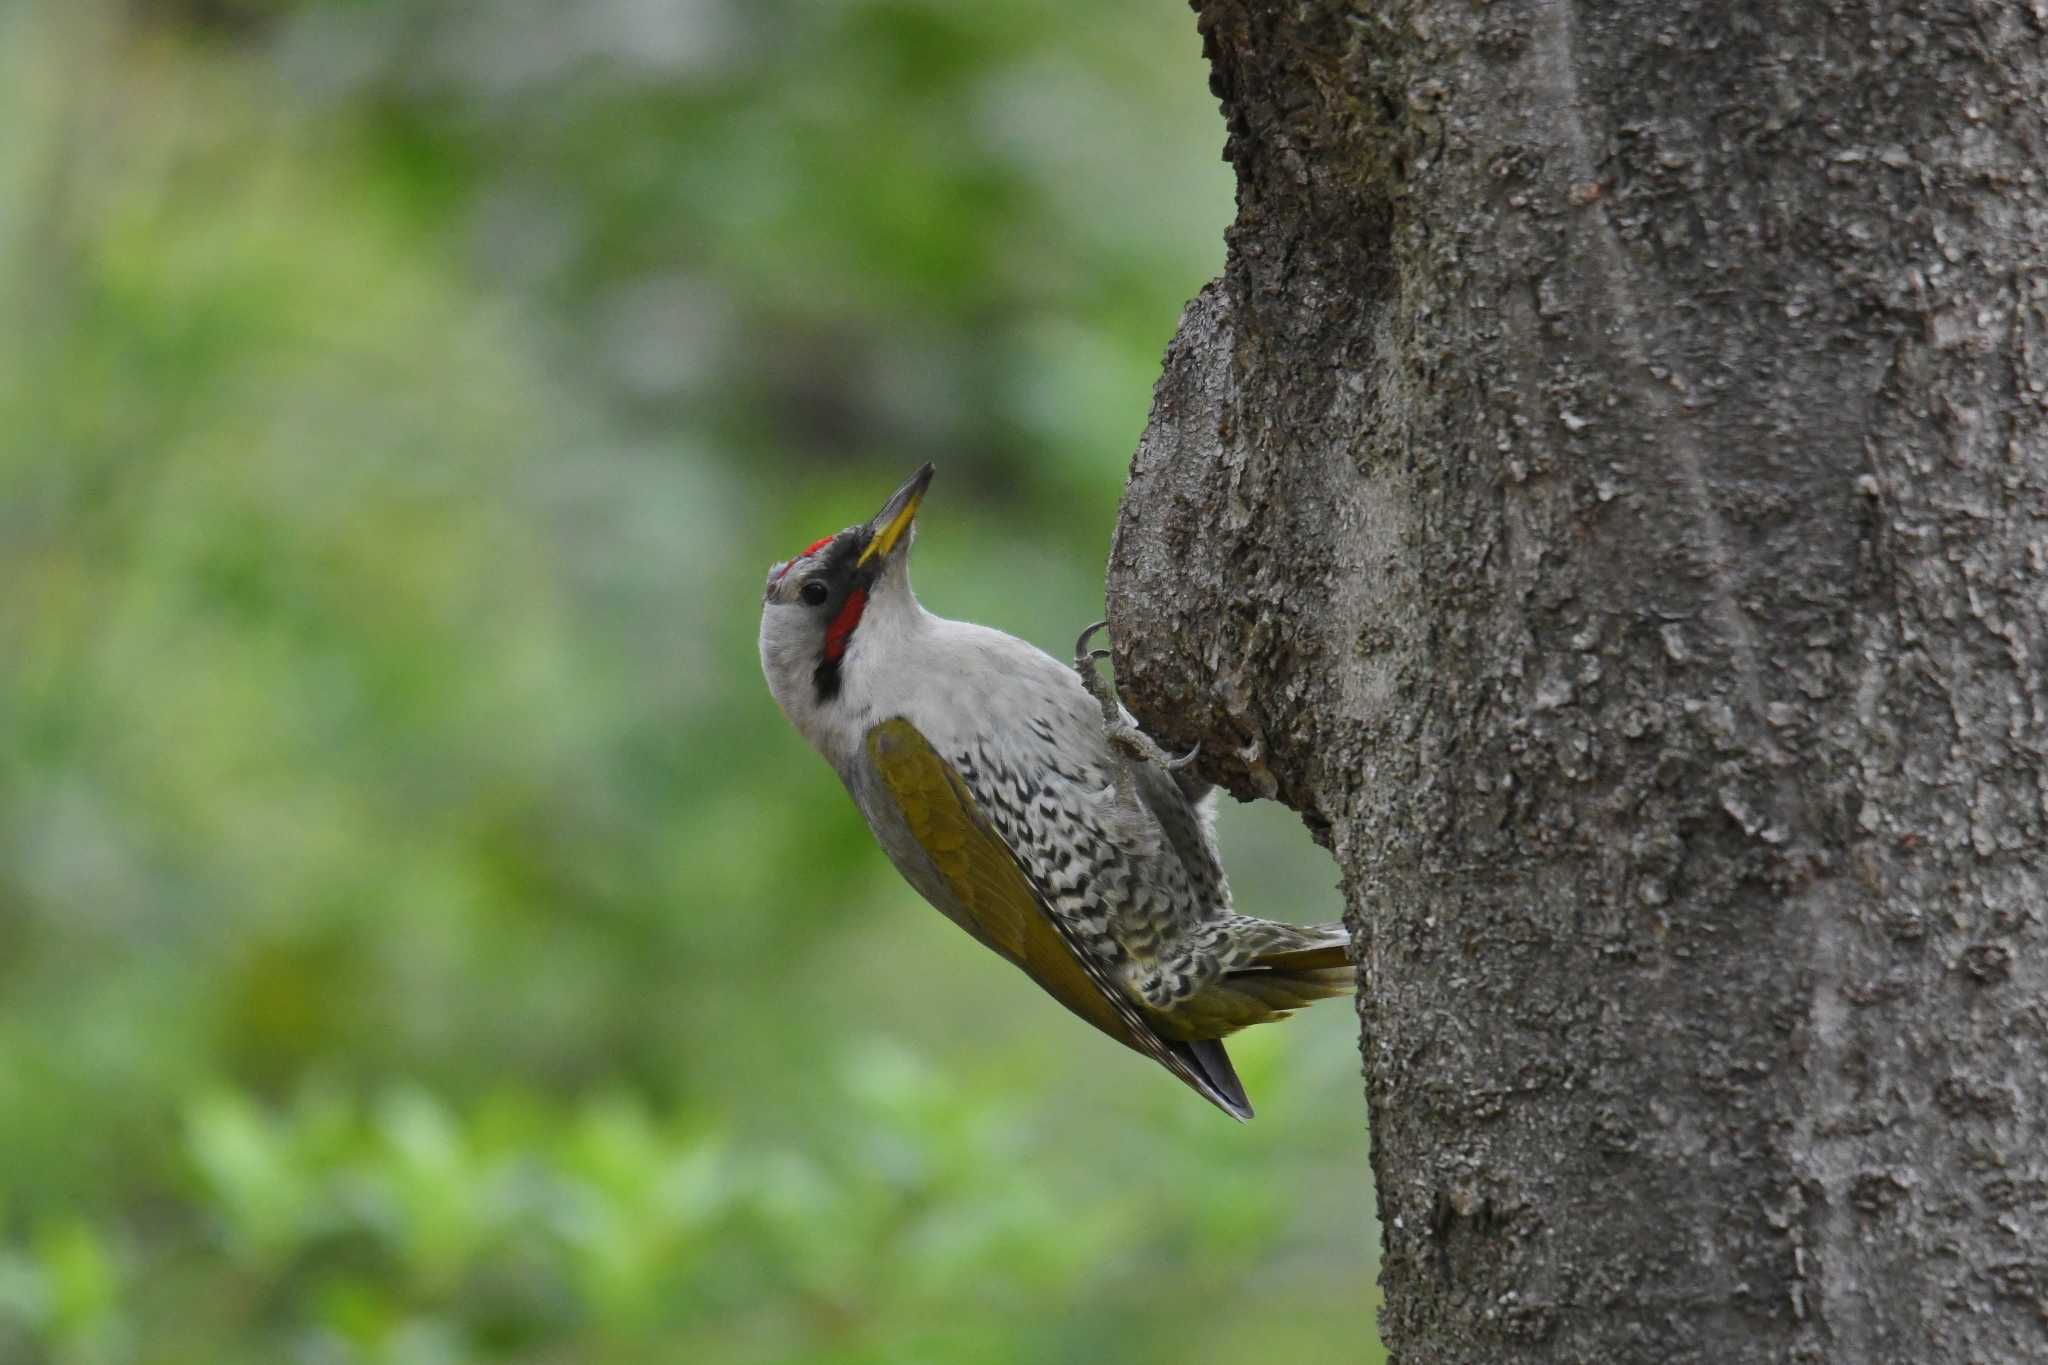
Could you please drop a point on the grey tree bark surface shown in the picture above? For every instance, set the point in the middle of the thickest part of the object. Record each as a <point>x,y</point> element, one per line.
<point>1606,495</point>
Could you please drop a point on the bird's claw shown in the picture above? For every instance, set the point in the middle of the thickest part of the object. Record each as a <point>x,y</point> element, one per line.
<point>1085,660</point>
<point>1082,654</point>
<point>1139,745</point>
<point>1122,733</point>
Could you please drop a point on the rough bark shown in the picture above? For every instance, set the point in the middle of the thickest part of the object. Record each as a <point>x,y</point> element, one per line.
<point>1607,496</point>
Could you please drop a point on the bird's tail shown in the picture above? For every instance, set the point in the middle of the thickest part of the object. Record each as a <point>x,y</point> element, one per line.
<point>1296,947</point>
<point>1277,969</point>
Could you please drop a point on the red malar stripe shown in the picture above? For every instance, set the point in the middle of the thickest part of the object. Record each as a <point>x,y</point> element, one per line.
<point>841,629</point>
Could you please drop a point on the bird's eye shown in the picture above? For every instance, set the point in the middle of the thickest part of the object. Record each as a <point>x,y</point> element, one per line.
<point>814,593</point>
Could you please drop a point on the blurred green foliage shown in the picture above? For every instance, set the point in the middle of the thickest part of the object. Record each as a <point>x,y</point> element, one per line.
<point>420,938</point>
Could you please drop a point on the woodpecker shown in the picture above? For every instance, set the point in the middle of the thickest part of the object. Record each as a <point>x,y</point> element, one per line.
<point>1018,797</point>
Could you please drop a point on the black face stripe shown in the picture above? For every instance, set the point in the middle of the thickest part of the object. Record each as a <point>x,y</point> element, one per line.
<point>839,572</point>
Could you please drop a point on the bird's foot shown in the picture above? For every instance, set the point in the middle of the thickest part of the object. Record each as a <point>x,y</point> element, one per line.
<point>1117,726</point>
<point>1085,659</point>
<point>1135,743</point>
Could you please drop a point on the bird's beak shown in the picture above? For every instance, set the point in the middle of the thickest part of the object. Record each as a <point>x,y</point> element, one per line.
<point>892,523</point>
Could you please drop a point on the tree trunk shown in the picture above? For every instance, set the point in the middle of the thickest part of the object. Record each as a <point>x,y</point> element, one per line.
<point>1607,496</point>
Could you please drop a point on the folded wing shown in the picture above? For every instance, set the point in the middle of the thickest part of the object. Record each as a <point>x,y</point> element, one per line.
<point>997,902</point>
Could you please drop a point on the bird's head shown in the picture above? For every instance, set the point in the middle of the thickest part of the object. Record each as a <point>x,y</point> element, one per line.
<point>814,606</point>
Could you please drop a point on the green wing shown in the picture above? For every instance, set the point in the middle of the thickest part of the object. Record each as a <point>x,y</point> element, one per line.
<point>998,904</point>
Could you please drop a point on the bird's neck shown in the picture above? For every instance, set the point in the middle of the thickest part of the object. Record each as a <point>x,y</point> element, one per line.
<point>882,658</point>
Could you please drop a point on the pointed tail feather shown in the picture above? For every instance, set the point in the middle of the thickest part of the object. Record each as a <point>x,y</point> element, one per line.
<point>1326,958</point>
<point>1297,947</point>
